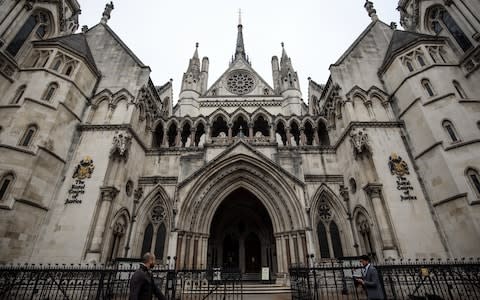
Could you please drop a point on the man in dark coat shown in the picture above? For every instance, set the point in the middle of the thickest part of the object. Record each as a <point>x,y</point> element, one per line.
<point>370,280</point>
<point>142,286</point>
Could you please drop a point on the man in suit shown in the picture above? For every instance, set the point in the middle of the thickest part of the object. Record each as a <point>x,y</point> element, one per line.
<point>142,286</point>
<point>370,280</point>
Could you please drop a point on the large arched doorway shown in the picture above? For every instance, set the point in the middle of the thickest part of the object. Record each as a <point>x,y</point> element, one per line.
<point>241,235</point>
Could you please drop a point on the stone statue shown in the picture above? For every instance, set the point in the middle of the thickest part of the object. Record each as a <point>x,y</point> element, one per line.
<point>222,135</point>
<point>258,134</point>
<point>121,144</point>
<point>106,13</point>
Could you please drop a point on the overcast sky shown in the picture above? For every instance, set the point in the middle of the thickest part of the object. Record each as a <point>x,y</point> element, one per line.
<point>163,33</point>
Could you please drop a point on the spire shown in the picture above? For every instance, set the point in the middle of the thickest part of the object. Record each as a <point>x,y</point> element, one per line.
<point>106,13</point>
<point>240,49</point>
<point>284,53</point>
<point>195,54</point>
<point>372,12</point>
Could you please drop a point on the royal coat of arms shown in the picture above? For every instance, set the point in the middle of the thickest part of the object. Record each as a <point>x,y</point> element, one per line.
<point>84,169</point>
<point>397,165</point>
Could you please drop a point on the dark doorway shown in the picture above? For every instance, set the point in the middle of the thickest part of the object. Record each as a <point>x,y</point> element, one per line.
<point>230,252</point>
<point>253,255</point>
<point>241,235</point>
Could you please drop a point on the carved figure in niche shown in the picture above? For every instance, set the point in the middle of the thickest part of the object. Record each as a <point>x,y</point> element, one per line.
<point>84,169</point>
<point>188,142</point>
<point>121,144</point>
<point>397,165</point>
<point>222,135</point>
<point>201,142</point>
<point>278,137</point>
<point>259,134</point>
<point>240,133</point>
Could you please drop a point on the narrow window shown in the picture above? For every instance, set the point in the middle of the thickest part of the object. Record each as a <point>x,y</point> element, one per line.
<point>428,87</point>
<point>323,240</point>
<point>69,70</point>
<point>160,241</point>
<point>409,66</point>
<point>56,64</point>
<point>336,241</point>
<point>22,35</point>
<point>18,95</point>
<point>50,91</point>
<point>439,19</point>
<point>459,89</point>
<point>433,55</point>
<point>450,129</point>
<point>28,136</point>
<point>147,239</point>
<point>474,178</point>
<point>421,61</point>
<point>5,184</point>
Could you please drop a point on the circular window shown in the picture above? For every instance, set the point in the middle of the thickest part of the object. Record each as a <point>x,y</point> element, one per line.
<point>240,82</point>
<point>129,188</point>
<point>353,185</point>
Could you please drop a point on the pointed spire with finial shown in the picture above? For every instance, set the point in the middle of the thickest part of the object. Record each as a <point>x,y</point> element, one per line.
<point>106,13</point>
<point>372,12</point>
<point>195,54</point>
<point>240,48</point>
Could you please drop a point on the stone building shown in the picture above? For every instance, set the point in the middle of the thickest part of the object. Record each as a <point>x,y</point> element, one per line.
<point>97,163</point>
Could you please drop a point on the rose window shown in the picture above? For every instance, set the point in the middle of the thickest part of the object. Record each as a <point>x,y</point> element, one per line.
<point>240,82</point>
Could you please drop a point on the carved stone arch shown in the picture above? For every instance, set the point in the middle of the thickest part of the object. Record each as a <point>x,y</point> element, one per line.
<point>117,235</point>
<point>217,113</point>
<point>296,120</point>
<point>159,122</point>
<point>308,119</point>
<point>280,119</point>
<point>170,122</point>
<point>186,120</point>
<point>240,112</point>
<point>376,92</point>
<point>326,207</point>
<point>156,197</point>
<point>102,96</point>
<point>262,112</point>
<point>200,120</point>
<point>141,111</point>
<point>271,187</point>
<point>361,215</point>
<point>121,95</point>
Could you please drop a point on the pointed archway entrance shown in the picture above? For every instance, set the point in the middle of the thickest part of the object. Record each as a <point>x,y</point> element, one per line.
<point>241,235</point>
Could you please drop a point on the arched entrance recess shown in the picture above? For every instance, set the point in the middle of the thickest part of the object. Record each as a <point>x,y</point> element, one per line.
<point>280,193</point>
<point>241,235</point>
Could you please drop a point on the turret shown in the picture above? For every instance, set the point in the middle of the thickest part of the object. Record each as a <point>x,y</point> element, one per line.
<point>289,87</point>
<point>275,73</point>
<point>192,85</point>
<point>204,75</point>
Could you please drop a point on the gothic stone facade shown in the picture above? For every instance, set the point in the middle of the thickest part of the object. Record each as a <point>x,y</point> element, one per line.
<point>96,162</point>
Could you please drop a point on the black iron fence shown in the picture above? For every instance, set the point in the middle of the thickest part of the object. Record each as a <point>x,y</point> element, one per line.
<point>404,279</point>
<point>42,282</point>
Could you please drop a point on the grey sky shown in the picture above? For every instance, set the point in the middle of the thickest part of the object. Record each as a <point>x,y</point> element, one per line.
<point>163,33</point>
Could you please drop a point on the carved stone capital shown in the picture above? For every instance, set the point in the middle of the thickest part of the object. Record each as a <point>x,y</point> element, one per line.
<point>373,190</point>
<point>138,193</point>
<point>108,193</point>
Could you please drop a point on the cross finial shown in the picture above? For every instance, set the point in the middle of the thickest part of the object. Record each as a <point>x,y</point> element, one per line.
<point>196,45</point>
<point>283,44</point>
<point>239,16</point>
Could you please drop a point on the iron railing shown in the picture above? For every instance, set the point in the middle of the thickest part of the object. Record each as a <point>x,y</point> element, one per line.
<point>403,279</point>
<point>41,282</point>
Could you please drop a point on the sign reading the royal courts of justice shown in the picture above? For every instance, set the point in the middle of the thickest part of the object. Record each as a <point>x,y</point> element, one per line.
<point>83,171</point>
<point>400,168</point>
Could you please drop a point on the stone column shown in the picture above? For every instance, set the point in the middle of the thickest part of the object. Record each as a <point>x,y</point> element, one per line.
<point>374,191</point>
<point>289,136</point>
<point>208,138</point>
<point>192,137</point>
<point>108,194</point>
<point>272,133</point>
<point>165,138</point>
<point>369,106</point>
<point>179,251</point>
<point>316,139</point>
<point>250,130</point>
<point>230,131</point>
<point>388,109</point>
<point>280,254</point>
<point>346,198</point>
<point>178,138</point>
